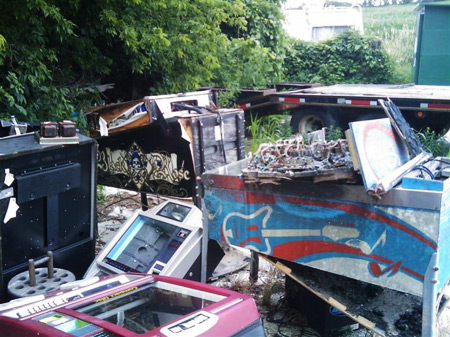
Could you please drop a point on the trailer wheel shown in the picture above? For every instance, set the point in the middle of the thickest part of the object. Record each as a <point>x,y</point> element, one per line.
<point>304,121</point>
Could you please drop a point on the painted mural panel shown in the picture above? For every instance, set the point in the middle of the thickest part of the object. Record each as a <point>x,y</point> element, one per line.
<point>147,160</point>
<point>348,238</point>
<point>380,150</point>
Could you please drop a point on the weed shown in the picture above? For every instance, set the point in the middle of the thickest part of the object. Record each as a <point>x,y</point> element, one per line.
<point>271,286</point>
<point>267,294</point>
<point>228,98</point>
<point>101,195</point>
<point>334,133</point>
<point>432,142</point>
<point>240,284</point>
<point>268,129</point>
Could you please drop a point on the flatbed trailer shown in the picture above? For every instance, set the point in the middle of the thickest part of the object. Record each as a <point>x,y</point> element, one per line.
<point>337,105</point>
<point>400,242</point>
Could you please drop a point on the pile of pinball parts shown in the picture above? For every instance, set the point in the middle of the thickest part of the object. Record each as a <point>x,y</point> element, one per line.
<point>293,158</point>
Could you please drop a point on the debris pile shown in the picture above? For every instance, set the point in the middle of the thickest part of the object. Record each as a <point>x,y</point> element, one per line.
<point>293,158</point>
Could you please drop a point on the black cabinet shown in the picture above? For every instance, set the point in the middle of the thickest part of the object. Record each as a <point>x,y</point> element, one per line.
<point>154,160</point>
<point>54,188</point>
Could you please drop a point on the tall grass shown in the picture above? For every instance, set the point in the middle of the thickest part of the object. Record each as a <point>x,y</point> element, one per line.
<point>395,26</point>
<point>432,142</point>
<point>268,129</point>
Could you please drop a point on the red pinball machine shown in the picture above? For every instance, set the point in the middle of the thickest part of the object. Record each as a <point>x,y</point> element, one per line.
<point>133,305</point>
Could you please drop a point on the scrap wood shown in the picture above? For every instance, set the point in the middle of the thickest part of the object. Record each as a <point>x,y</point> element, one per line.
<point>366,323</point>
<point>336,174</point>
<point>317,175</point>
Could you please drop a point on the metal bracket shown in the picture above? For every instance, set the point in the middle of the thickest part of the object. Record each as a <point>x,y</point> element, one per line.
<point>6,193</point>
<point>199,188</point>
<point>238,137</point>
<point>202,146</point>
<point>205,238</point>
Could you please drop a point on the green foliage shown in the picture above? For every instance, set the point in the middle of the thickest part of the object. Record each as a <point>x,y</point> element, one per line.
<point>432,142</point>
<point>54,53</point>
<point>101,194</point>
<point>334,133</point>
<point>2,43</point>
<point>348,58</point>
<point>36,80</point>
<point>263,27</point>
<point>245,64</point>
<point>254,54</point>
<point>268,129</point>
<point>228,98</point>
<point>396,27</point>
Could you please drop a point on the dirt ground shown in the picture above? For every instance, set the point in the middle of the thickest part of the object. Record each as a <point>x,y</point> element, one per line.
<point>280,318</point>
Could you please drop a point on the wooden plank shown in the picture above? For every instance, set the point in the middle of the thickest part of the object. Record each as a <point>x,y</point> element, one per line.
<point>328,299</point>
<point>352,149</point>
<point>340,173</point>
<point>111,111</point>
<point>336,174</point>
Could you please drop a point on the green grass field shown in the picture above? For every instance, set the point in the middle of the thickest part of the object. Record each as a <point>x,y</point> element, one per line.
<point>395,26</point>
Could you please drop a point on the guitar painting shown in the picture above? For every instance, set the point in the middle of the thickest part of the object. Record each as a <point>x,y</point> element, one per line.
<point>325,234</point>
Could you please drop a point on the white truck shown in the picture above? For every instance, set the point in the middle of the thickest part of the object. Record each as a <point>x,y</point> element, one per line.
<point>317,20</point>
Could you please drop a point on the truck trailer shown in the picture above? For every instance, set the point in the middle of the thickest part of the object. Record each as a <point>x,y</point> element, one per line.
<point>317,107</point>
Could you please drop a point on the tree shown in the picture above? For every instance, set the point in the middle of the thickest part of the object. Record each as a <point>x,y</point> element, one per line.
<point>255,50</point>
<point>347,58</point>
<point>54,54</point>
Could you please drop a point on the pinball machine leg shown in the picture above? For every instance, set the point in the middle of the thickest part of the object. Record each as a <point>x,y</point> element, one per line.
<point>429,310</point>
<point>144,201</point>
<point>205,238</point>
<point>254,266</point>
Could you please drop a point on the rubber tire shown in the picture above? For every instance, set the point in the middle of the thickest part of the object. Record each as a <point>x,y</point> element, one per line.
<point>367,116</point>
<point>306,120</point>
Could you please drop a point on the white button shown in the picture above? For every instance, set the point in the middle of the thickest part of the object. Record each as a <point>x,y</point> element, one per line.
<point>175,329</point>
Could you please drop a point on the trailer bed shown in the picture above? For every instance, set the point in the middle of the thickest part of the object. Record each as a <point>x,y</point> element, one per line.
<point>382,90</point>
